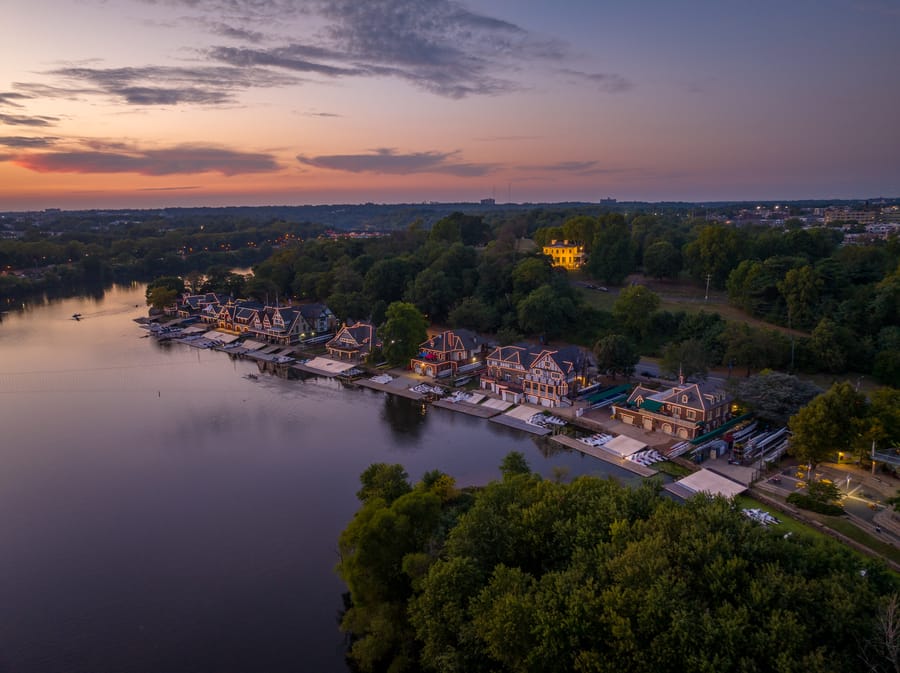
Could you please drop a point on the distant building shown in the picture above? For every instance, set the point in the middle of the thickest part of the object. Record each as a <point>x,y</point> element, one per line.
<point>607,202</point>
<point>847,215</point>
<point>565,254</point>
<point>488,202</point>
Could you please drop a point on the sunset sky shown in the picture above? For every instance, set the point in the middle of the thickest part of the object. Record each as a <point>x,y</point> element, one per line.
<point>147,103</point>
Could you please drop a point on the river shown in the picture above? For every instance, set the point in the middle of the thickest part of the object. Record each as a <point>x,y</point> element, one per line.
<point>160,513</point>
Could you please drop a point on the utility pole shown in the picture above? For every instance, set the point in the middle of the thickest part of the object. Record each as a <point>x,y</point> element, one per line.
<point>706,298</point>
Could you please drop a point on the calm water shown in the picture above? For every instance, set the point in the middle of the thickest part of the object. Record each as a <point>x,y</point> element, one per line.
<point>159,513</point>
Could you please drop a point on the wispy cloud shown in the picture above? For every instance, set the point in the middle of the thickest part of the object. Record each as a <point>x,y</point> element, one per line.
<point>387,160</point>
<point>607,82</point>
<point>27,120</point>
<point>295,57</point>
<point>436,45</point>
<point>182,159</point>
<point>26,142</point>
<point>168,189</point>
<point>492,139</point>
<point>576,167</point>
<point>158,85</point>
<point>12,98</point>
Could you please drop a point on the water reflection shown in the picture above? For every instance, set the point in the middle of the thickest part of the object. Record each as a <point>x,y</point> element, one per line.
<point>161,512</point>
<point>406,418</point>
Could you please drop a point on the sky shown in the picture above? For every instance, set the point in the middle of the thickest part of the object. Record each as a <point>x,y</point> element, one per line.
<point>152,103</point>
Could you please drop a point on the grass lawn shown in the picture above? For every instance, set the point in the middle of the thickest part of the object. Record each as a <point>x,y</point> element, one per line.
<point>787,524</point>
<point>847,528</point>
<point>835,523</point>
<point>672,469</point>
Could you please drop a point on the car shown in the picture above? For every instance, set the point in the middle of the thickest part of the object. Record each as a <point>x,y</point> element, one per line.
<point>601,288</point>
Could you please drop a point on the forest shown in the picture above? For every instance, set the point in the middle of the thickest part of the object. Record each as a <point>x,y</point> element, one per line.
<point>813,304</point>
<point>528,574</point>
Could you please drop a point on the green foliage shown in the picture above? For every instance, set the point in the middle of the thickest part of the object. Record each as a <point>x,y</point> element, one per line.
<point>546,312</point>
<point>514,463</point>
<point>813,504</point>
<point>774,396</point>
<point>161,297</point>
<point>662,260</point>
<point>172,283</point>
<point>612,253</point>
<point>616,354</point>
<point>634,310</point>
<point>688,358</point>
<point>403,331</point>
<point>714,252</point>
<point>591,576</point>
<point>823,491</point>
<point>384,481</point>
<point>831,422</point>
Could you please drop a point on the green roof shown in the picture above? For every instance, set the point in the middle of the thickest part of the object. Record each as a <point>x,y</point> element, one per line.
<point>651,405</point>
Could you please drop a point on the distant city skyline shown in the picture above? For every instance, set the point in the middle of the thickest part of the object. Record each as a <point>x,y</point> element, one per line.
<point>155,103</point>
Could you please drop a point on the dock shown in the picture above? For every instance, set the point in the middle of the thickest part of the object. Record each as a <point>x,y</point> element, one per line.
<point>399,386</point>
<point>472,409</point>
<point>606,456</point>
<point>324,367</point>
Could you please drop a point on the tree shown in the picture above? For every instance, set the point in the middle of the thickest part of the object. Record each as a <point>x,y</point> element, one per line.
<point>886,367</point>
<point>826,347</point>
<point>473,313</point>
<point>432,294</point>
<point>831,422</point>
<point>774,396</point>
<point>616,354</point>
<point>545,312</point>
<point>715,252</point>
<point>173,283</point>
<point>662,260</point>
<point>384,481</point>
<point>161,297</point>
<point>529,274</point>
<point>634,308</point>
<point>752,347</point>
<point>801,289</point>
<point>884,418</point>
<point>403,332</point>
<point>687,358</point>
<point>514,463</point>
<point>612,254</point>
<point>387,278</point>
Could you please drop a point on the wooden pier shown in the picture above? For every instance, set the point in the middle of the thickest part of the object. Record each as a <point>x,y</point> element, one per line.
<point>604,455</point>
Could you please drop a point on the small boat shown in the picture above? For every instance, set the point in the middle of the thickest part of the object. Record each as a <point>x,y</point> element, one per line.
<point>252,377</point>
<point>76,316</point>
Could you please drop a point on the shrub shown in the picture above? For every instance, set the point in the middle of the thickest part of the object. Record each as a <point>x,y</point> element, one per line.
<point>804,501</point>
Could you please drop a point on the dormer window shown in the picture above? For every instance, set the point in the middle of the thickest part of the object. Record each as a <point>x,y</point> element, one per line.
<point>684,399</point>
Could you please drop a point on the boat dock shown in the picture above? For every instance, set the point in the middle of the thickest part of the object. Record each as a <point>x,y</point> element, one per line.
<point>606,456</point>
<point>519,418</point>
<point>400,386</point>
<point>476,405</point>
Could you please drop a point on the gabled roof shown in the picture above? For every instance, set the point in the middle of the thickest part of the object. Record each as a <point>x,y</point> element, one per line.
<point>361,334</point>
<point>453,340</point>
<point>313,311</point>
<point>567,359</point>
<point>512,355</point>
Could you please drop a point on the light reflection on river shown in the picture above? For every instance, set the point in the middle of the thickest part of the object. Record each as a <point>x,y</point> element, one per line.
<point>161,513</point>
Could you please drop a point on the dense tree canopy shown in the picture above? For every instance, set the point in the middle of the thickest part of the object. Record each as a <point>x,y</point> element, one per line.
<point>533,575</point>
